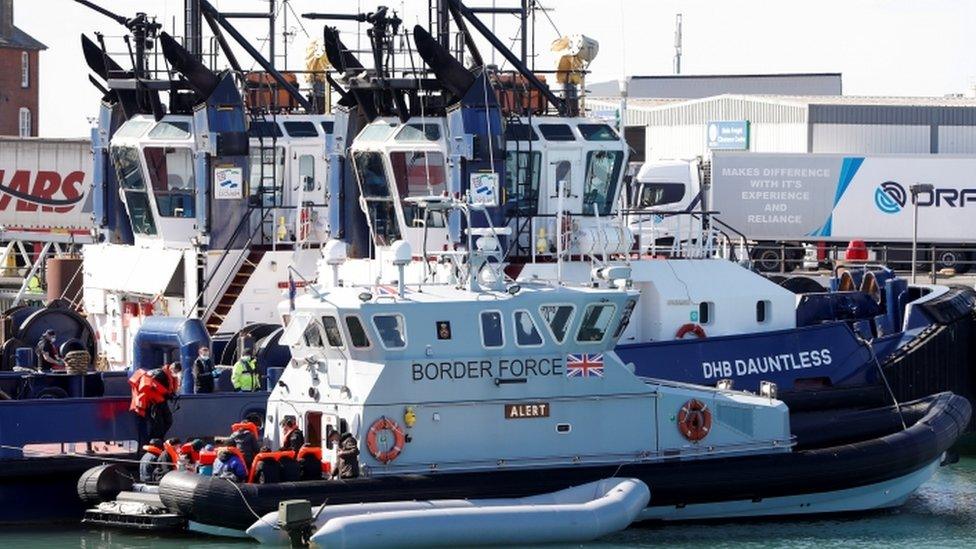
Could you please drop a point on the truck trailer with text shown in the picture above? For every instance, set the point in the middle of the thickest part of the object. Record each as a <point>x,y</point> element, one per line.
<point>784,202</point>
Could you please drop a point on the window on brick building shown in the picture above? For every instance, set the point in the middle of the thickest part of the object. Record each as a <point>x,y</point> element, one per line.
<point>25,122</point>
<point>24,70</point>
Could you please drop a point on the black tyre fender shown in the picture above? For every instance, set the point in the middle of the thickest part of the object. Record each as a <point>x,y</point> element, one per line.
<point>802,285</point>
<point>103,483</point>
<point>51,392</point>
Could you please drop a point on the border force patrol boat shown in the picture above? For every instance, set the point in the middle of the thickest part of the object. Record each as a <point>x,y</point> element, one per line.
<point>488,390</point>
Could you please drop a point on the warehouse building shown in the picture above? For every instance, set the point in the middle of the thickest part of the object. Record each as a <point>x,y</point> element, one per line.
<point>817,124</point>
<point>696,86</point>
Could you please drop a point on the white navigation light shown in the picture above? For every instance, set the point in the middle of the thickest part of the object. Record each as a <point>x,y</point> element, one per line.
<point>767,389</point>
<point>724,384</point>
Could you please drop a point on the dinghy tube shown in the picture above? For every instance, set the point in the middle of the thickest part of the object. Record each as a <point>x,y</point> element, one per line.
<point>577,514</point>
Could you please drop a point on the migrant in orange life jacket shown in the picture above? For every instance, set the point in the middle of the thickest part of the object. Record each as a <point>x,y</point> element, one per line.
<point>147,389</point>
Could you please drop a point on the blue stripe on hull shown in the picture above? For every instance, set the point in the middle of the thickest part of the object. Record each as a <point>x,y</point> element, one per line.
<point>829,351</point>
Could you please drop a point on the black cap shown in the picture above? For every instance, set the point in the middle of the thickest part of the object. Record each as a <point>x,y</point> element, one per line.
<point>49,332</point>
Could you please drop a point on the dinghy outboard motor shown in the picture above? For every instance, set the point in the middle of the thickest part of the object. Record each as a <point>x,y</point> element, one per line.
<point>295,517</point>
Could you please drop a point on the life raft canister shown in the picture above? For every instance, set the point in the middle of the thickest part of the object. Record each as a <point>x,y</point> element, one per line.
<point>399,439</point>
<point>694,420</point>
<point>690,328</point>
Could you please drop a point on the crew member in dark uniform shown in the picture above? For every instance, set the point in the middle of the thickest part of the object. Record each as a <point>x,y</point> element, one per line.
<point>203,371</point>
<point>47,352</point>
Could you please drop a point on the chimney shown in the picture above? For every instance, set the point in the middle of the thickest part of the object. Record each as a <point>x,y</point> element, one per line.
<point>6,18</point>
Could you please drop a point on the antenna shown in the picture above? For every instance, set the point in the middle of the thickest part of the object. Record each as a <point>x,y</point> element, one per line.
<point>677,44</point>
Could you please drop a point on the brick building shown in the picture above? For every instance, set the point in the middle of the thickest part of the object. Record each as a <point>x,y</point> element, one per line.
<point>19,54</point>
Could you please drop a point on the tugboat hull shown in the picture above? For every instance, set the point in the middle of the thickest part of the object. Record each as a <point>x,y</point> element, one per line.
<point>874,471</point>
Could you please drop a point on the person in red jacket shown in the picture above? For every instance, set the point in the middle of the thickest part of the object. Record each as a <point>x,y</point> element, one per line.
<point>151,392</point>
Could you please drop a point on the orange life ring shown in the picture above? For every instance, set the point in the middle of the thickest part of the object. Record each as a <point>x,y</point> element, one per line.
<point>399,439</point>
<point>694,420</point>
<point>690,328</point>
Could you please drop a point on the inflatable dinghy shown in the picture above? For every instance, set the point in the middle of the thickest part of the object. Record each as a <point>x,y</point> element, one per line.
<point>578,514</point>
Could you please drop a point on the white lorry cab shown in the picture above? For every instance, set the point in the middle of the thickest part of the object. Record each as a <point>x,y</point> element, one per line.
<point>784,203</point>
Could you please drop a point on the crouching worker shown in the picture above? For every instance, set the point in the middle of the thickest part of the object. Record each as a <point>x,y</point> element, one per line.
<point>149,462</point>
<point>347,455</point>
<point>229,465</point>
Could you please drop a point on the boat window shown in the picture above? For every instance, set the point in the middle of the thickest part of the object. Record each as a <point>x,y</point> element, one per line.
<point>380,210</point>
<point>328,126</point>
<point>602,174</point>
<point>526,332</point>
<point>762,311</point>
<point>419,173</point>
<point>392,330</point>
<point>174,187</point>
<point>267,172</point>
<point>522,169</point>
<point>306,172</point>
<point>557,132</point>
<point>383,220</point>
<point>657,194</point>
<point>625,318</point>
<point>133,128</point>
<point>706,311</point>
<point>419,132</point>
<point>598,132</point>
<point>264,129</point>
<point>294,330</point>
<point>557,317</point>
<point>170,130</point>
<point>491,329</point>
<point>302,128</point>
<point>371,174</point>
<point>376,132</point>
<point>520,132</point>
<point>357,334</point>
<point>332,333</point>
<point>128,170</point>
<point>595,322</point>
<point>312,336</point>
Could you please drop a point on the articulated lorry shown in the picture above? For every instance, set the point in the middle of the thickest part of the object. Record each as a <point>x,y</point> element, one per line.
<point>45,190</point>
<point>784,203</point>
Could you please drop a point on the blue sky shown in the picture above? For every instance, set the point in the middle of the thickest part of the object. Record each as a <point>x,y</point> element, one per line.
<point>882,47</point>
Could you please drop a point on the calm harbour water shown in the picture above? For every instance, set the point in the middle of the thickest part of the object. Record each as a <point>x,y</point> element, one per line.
<point>941,514</point>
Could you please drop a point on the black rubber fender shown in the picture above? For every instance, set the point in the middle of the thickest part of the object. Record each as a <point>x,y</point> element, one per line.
<point>863,462</point>
<point>802,285</point>
<point>103,483</point>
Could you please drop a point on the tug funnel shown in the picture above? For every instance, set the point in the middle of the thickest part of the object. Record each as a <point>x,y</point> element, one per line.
<point>452,75</point>
<point>202,79</point>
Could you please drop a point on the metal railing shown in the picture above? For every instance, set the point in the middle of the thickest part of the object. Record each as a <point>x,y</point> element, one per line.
<point>935,263</point>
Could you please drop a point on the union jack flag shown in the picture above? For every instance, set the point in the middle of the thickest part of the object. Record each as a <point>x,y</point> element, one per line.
<point>584,365</point>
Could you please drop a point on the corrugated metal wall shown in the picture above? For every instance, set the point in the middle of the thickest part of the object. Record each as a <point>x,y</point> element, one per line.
<point>679,131</point>
<point>720,108</point>
<point>957,139</point>
<point>862,139</point>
